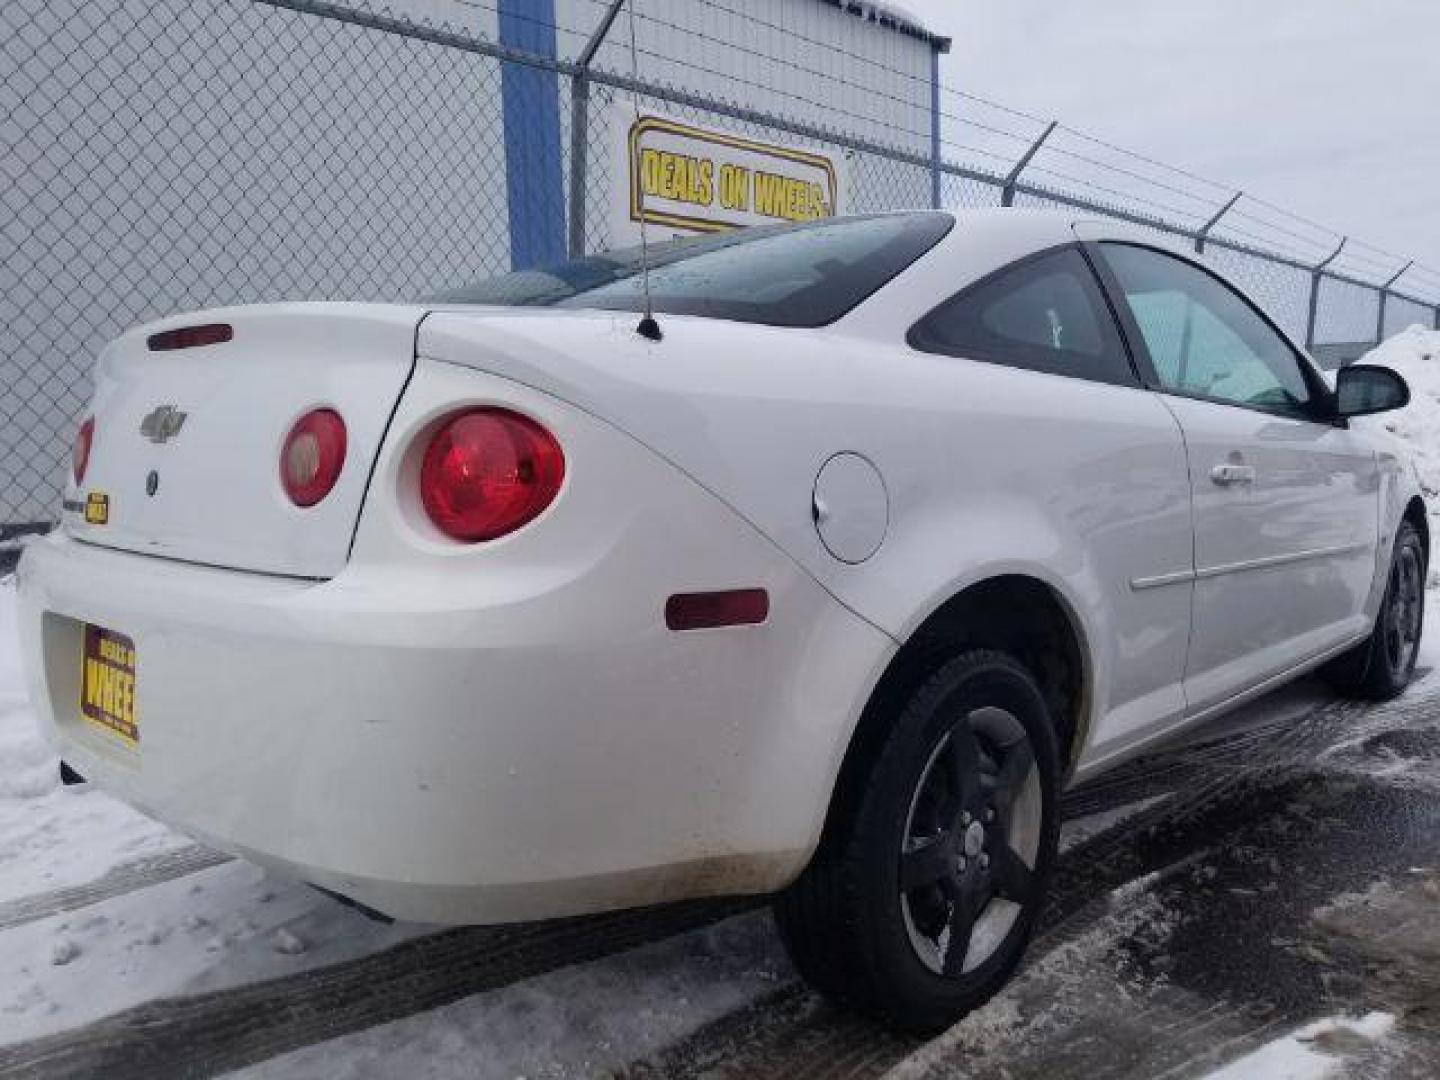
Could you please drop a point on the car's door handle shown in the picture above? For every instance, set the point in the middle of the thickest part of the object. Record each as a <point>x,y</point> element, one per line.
<point>1233,474</point>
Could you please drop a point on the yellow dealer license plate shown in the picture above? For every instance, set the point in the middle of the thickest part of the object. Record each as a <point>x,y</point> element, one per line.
<point>107,684</point>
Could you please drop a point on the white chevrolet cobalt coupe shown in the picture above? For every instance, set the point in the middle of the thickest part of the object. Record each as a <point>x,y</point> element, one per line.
<point>823,581</point>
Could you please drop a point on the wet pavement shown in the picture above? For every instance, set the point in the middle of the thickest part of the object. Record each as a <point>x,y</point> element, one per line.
<point>1280,867</point>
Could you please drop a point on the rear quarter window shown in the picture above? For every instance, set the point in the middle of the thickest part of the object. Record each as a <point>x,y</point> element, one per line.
<point>1044,313</point>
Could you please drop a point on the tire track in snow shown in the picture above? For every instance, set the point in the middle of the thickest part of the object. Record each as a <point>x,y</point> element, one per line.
<point>205,1034</point>
<point>1277,742</point>
<point>790,1033</point>
<point>119,880</point>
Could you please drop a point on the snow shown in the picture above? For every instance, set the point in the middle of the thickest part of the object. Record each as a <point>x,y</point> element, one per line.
<point>222,927</point>
<point>1309,1053</point>
<point>1415,354</point>
<point>881,10</point>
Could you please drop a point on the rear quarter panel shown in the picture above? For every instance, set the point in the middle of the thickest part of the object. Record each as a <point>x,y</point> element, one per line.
<point>988,470</point>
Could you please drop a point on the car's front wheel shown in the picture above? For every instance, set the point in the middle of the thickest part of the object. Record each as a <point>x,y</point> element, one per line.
<point>1381,666</point>
<point>925,890</point>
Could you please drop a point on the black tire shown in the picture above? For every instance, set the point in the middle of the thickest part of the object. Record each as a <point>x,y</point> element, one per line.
<point>1381,666</point>
<point>852,932</point>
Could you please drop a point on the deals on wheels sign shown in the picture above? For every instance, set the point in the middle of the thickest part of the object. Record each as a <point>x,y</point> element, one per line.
<point>683,180</point>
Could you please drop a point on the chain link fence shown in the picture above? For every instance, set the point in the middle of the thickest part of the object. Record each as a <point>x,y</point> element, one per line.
<point>165,155</point>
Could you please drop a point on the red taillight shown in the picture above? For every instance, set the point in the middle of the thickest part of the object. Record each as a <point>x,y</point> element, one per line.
<point>190,337</point>
<point>313,456</point>
<point>706,610</point>
<point>80,452</point>
<point>487,472</point>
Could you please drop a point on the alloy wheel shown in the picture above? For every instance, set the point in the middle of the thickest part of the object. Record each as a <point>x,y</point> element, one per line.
<point>970,842</point>
<point>1403,612</point>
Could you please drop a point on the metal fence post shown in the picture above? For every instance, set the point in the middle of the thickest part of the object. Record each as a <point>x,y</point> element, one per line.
<point>1384,294</point>
<point>1007,194</point>
<point>580,126</point>
<point>1316,273</point>
<point>1214,220</point>
<point>534,157</point>
<point>935,127</point>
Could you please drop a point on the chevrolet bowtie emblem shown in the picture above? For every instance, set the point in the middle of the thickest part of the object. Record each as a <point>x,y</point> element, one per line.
<point>163,423</point>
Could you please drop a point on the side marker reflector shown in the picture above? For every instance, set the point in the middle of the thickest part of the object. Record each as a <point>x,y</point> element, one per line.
<point>706,610</point>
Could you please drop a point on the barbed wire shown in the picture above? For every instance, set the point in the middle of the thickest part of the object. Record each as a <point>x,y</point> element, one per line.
<point>1165,165</point>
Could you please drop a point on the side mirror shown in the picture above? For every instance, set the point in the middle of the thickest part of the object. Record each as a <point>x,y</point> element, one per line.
<point>1362,389</point>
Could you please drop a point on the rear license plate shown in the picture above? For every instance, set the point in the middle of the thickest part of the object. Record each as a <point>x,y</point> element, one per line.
<point>107,684</point>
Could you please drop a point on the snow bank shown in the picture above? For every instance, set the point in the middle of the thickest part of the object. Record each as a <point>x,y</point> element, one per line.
<point>1415,354</point>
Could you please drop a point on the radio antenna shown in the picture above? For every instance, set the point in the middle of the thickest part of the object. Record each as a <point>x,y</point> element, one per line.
<point>647,327</point>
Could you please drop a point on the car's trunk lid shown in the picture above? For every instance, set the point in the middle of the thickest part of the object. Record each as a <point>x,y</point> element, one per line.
<point>207,488</point>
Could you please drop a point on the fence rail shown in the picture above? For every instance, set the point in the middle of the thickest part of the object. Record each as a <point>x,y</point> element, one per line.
<point>160,155</point>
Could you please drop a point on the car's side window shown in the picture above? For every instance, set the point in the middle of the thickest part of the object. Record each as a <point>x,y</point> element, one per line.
<point>1204,339</point>
<point>1046,313</point>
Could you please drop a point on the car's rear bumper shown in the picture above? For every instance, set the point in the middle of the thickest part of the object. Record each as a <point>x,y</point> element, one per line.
<point>437,758</point>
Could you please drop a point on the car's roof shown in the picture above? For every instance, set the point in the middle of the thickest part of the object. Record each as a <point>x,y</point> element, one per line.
<point>1058,226</point>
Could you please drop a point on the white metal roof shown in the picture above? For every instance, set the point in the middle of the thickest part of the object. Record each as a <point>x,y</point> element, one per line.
<point>891,16</point>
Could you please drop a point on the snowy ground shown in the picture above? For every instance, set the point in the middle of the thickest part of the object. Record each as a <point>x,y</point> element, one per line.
<point>1263,902</point>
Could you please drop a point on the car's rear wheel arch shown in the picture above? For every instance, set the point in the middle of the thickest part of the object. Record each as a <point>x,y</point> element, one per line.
<point>1016,614</point>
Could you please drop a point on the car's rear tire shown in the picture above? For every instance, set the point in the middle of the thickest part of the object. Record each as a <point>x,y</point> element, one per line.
<point>1381,666</point>
<point>956,813</point>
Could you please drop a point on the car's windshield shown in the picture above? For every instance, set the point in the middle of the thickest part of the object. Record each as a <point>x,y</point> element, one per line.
<point>780,275</point>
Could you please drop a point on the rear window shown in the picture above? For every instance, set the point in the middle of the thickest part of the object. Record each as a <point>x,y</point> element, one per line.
<point>788,275</point>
